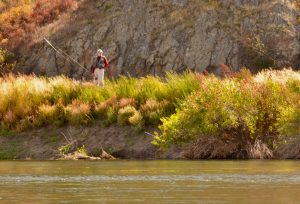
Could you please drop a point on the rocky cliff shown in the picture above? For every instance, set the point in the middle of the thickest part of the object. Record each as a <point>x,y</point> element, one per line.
<point>153,36</point>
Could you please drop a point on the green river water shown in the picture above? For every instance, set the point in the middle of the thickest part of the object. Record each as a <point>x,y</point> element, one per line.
<point>162,181</point>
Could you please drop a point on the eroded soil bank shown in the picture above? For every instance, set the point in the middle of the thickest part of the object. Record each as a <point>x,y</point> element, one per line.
<point>122,142</point>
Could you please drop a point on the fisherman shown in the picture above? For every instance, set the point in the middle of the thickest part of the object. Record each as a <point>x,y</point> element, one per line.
<point>98,67</point>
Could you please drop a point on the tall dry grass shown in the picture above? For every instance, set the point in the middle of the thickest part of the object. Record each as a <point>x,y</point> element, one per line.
<point>60,100</point>
<point>263,107</point>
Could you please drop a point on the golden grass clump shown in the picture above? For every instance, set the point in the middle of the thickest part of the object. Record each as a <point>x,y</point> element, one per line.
<point>278,76</point>
<point>127,102</point>
<point>9,117</point>
<point>78,113</point>
<point>152,105</point>
<point>129,116</point>
<point>100,109</point>
<point>154,110</point>
<point>47,113</point>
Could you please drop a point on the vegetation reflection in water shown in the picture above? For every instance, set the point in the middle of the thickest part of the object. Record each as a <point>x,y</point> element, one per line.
<point>150,181</point>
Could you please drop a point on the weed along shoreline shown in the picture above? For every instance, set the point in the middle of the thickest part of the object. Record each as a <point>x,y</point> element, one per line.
<point>180,116</point>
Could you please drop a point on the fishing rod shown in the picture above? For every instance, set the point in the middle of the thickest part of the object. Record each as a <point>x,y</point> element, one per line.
<point>65,55</point>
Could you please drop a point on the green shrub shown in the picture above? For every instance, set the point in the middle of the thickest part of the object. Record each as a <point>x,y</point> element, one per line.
<point>289,122</point>
<point>111,115</point>
<point>81,150</point>
<point>248,110</point>
<point>65,149</point>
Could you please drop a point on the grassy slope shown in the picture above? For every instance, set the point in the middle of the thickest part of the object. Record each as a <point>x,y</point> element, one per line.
<point>187,107</point>
<point>28,101</point>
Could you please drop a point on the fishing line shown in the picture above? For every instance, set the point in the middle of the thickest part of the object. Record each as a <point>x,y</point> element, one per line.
<point>65,55</point>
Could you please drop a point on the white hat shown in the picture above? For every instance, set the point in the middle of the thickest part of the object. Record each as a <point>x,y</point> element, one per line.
<point>99,50</point>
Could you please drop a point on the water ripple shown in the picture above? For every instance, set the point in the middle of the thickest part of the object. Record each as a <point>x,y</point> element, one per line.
<point>233,178</point>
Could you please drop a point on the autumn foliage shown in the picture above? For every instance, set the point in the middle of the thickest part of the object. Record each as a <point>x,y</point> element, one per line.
<point>45,11</point>
<point>19,20</point>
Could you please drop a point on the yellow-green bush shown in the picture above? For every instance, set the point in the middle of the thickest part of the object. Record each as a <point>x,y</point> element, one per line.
<point>246,109</point>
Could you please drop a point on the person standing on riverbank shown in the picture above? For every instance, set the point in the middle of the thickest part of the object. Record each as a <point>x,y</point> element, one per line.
<point>98,67</point>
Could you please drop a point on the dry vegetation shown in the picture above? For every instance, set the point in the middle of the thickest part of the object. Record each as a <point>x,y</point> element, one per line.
<point>20,21</point>
<point>29,101</point>
<point>250,115</point>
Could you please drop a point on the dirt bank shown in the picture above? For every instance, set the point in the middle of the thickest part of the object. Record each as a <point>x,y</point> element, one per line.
<point>234,148</point>
<point>290,150</point>
<point>124,142</point>
<point>120,141</point>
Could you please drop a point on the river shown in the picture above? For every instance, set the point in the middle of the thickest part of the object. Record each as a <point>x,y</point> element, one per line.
<point>160,181</point>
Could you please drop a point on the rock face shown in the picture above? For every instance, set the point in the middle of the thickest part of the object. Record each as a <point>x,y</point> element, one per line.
<point>142,37</point>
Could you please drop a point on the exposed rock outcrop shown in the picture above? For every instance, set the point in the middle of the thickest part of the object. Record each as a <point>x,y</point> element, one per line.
<point>153,36</point>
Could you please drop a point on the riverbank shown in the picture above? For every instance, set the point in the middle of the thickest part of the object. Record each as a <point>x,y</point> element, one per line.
<point>122,142</point>
<point>241,116</point>
<point>51,143</point>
